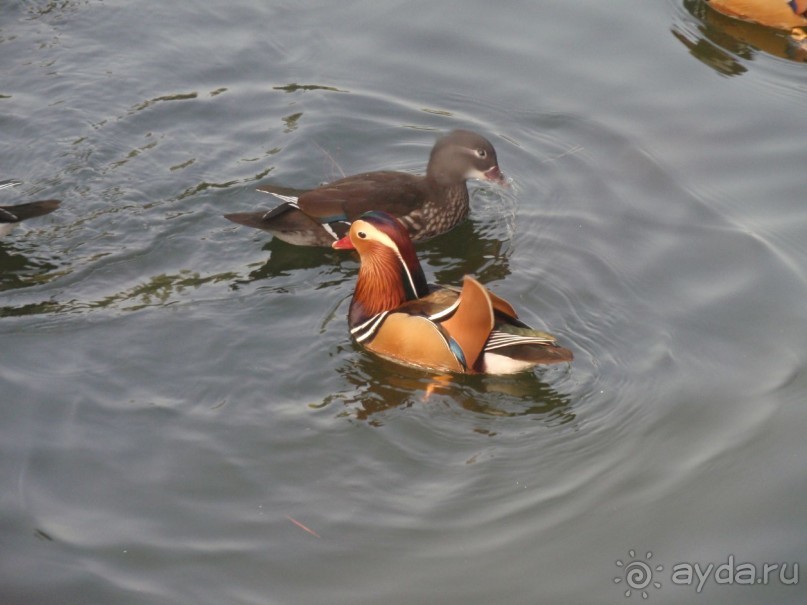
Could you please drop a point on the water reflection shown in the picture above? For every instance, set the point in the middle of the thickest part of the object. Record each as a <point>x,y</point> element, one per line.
<point>157,290</point>
<point>37,308</point>
<point>20,270</point>
<point>720,40</point>
<point>285,258</point>
<point>376,386</point>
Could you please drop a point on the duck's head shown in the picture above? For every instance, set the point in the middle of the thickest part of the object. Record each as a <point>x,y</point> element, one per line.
<point>461,155</point>
<point>388,259</point>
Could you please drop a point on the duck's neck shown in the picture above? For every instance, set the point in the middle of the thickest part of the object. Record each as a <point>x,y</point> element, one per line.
<point>382,285</point>
<point>444,179</point>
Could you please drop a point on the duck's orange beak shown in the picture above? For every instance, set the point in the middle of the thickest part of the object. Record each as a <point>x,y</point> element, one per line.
<point>343,244</point>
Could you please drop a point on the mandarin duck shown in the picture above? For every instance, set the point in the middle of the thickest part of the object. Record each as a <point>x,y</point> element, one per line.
<point>397,315</point>
<point>11,215</point>
<point>428,205</point>
<point>779,14</point>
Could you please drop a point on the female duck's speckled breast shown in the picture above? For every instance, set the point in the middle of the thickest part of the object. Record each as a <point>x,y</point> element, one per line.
<point>432,219</point>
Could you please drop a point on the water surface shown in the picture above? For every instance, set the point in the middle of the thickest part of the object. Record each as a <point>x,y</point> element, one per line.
<point>184,418</point>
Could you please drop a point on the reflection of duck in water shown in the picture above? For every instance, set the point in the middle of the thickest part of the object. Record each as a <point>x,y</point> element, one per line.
<point>11,215</point>
<point>371,389</point>
<point>778,14</point>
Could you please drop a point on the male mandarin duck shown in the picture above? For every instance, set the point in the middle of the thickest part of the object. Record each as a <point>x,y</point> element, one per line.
<point>428,205</point>
<point>397,315</point>
<point>781,14</point>
<point>11,215</point>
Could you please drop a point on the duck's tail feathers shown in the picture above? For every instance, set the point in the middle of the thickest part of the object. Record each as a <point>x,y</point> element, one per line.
<point>527,345</point>
<point>289,199</point>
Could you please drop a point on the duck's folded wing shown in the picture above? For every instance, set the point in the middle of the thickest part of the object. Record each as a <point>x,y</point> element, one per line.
<point>437,304</point>
<point>347,199</point>
<point>413,340</point>
<point>472,321</point>
<point>502,306</point>
<point>289,223</point>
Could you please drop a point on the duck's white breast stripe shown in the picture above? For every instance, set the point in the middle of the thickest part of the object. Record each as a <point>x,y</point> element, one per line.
<point>367,329</point>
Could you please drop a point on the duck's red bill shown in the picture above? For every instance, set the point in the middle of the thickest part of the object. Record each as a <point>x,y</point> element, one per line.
<point>495,175</point>
<point>343,244</point>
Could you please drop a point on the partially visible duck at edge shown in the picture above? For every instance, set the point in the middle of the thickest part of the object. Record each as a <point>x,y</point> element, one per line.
<point>780,14</point>
<point>395,314</point>
<point>11,215</point>
<point>428,205</point>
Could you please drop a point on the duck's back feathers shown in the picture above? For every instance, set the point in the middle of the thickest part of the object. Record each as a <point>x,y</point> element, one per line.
<point>323,215</point>
<point>399,193</point>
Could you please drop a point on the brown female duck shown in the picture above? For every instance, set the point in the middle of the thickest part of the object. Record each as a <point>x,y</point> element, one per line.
<point>428,205</point>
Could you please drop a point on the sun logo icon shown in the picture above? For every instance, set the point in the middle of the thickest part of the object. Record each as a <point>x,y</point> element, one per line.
<point>637,574</point>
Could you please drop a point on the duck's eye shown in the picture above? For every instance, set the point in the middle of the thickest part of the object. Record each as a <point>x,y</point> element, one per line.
<point>362,234</point>
<point>481,153</point>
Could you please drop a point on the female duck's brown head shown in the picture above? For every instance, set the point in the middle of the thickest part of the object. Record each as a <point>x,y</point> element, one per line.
<point>462,155</point>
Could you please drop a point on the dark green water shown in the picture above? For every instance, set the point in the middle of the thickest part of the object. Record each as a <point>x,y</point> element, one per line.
<point>180,398</point>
